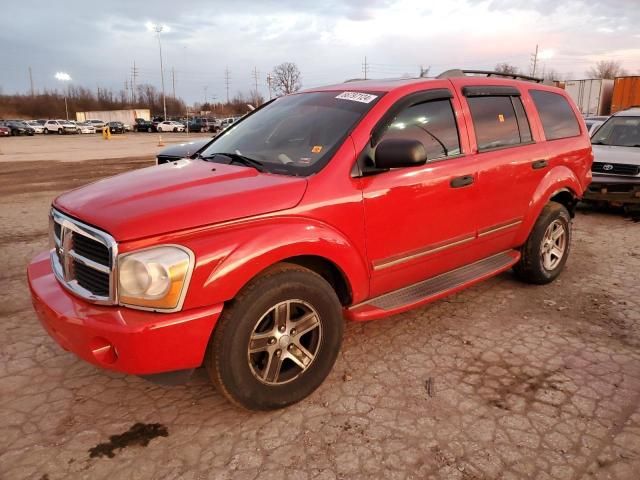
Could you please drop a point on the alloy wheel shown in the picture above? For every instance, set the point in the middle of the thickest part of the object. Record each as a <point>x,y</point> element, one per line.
<point>554,245</point>
<point>284,342</point>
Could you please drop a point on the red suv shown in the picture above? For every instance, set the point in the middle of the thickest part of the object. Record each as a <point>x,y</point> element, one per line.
<point>359,200</point>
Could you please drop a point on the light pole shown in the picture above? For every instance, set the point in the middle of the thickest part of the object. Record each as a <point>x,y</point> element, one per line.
<point>158,29</point>
<point>64,77</point>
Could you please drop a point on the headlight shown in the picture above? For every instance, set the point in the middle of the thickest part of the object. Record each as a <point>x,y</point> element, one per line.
<point>156,278</point>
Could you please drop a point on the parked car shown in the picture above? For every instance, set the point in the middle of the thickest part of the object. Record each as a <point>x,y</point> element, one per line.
<point>4,131</point>
<point>181,150</point>
<point>18,127</point>
<point>85,127</point>
<point>361,200</point>
<point>201,125</point>
<point>616,166</point>
<point>170,126</point>
<point>99,125</point>
<point>143,125</point>
<point>593,123</point>
<point>37,126</point>
<point>116,127</point>
<point>59,126</point>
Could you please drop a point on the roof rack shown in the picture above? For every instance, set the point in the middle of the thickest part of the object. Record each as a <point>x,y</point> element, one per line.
<point>487,73</point>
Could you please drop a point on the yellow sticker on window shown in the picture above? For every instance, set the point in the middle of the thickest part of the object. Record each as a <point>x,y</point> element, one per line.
<point>316,149</point>
<point>501,118</point>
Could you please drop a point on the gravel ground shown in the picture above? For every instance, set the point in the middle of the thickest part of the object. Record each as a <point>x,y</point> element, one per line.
<point>502,381</point>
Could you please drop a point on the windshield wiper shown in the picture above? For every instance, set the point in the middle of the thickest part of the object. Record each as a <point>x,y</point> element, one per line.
<point>237,158</point>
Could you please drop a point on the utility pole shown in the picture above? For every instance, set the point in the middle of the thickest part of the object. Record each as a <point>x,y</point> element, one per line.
<point>205,93</point>
<point>173,81</point>
<point>424,71</point>
<point>126,89</point>
<point>33,92</point>
<point>365,68</point>
<point>134,77</point>
<point>269,80</point>
<point>226,81</point>
<point>255,78</point>
<point>534,60</point>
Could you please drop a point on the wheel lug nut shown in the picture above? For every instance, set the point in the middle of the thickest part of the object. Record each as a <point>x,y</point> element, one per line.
<point>290,347</point>
<point>272,341</point>
<point>293,331</point>
<point>282,328</point>
<point>278,353</point>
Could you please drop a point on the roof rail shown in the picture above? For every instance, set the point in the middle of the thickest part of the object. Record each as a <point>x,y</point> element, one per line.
<point>487,73</point>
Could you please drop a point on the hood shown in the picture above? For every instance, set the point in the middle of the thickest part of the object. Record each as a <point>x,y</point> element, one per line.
<point>616,154</point>
<point>177,196</point>
<point>184,150</point>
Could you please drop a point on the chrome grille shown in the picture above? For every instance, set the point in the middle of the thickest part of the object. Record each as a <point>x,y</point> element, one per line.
<point>615,168</point>
<point>83,259</point>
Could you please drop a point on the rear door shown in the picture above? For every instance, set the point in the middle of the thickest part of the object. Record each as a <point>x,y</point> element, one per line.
<point>421,221</point>
<point>511,159</point>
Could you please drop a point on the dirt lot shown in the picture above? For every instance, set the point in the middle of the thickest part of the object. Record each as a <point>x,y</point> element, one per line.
<point>72,148</point>
<point>503,381</point>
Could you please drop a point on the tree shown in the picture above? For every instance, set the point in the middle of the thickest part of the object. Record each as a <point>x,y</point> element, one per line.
<point>286,78</point>
<point>607,69</point>
<point>551,74</point>
<point>504,67</point>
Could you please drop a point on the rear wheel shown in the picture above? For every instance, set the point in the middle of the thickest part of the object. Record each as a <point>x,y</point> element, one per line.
<point>276,342</point>
<point>46,131</point>
<point>59,131</point>
<point>547,248</point>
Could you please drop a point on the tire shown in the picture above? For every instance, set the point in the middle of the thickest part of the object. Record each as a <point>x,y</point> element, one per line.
<point>149,129</point>
<point>244,377</point>
<point>175,129</point>
<point>546,250</point>
<point>46,131</point>
<point>59,131</point>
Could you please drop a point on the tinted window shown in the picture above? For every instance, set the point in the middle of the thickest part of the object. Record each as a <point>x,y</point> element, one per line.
<point>495,122</point>
<point>432,123</point>
<point>556,115</point>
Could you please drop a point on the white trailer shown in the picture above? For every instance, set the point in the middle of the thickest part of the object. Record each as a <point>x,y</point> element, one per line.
<point>125,116</point>
<point>592,96</point>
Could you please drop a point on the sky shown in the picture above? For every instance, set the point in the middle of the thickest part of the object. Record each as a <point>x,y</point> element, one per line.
<point>97,43</point>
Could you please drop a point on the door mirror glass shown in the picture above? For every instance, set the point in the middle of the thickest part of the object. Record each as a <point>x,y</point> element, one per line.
<point>400,152</point>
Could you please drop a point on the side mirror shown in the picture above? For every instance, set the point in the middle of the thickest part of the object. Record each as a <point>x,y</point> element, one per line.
<point>399,152</point>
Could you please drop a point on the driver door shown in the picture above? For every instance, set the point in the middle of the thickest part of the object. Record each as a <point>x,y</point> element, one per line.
<point>422,221</point>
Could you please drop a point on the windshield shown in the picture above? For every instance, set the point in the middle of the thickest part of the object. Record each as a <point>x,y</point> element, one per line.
<point>620,131</point>
<point>296,134</point>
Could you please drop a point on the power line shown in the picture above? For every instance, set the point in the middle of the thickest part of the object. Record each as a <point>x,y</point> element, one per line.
<point>365,68</point>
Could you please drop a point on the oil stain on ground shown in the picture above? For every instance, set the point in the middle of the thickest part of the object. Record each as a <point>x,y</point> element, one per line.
<point>139,434</point>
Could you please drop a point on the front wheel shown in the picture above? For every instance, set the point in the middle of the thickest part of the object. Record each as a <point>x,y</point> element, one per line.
<point>59,131</point>
<point>547,248</point>
<point>276,342</point>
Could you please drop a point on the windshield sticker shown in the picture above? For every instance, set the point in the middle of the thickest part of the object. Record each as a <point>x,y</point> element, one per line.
<point>357,97</point>
<point>316,149</point>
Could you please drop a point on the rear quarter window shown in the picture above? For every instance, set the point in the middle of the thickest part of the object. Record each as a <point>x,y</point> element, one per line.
<point>499,121</point>
<point>556,115</point>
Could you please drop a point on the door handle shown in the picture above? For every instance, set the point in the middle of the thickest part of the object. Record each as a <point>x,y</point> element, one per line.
<point>462,181</point>
<point>538,164</point>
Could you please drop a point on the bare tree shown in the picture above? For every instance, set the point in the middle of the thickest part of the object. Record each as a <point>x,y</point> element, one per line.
<point>286,78</point>
<point>606,69</point>
<point>504,67</point>
<point>551,74</point>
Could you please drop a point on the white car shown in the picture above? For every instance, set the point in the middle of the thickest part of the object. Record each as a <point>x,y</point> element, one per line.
<point>616,165</point>
<point>59,126</point>
<point>86,128</point>
<point>39,128</point>
<point>170,126</point>
<point>97,124</point>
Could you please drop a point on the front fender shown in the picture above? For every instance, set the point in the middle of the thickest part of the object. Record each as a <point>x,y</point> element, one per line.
<point>558,179</point>
<point>228,259</point>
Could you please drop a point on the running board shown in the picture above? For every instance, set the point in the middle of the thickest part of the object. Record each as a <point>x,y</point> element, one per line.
<point>433,288</point>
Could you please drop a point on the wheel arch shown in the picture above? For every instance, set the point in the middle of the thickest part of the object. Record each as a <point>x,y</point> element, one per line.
<point>559,185</point>
<point>230,261</point>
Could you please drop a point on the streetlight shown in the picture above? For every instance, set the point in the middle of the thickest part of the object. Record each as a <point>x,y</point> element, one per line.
<point>154,27</point>
<point>64,77</point>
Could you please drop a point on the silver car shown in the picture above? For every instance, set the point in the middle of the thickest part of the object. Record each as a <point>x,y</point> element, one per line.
<point>616,166</point>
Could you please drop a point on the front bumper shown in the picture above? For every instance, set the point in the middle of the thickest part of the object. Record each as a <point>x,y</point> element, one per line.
<point>613,189</point>
<point>118,338</point>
